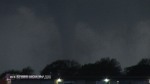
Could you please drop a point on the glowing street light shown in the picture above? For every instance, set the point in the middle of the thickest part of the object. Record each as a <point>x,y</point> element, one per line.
<point>117,82</point>
<point>59,80</point>
<point>106,80</point>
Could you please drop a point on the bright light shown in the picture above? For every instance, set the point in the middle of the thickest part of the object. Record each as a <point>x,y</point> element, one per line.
<point>59,80</point>
<point>106,80</point>
<point>8,81</point>
<point>117,82</point>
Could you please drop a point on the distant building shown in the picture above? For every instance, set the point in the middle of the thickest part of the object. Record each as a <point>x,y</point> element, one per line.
<point>112,80</point>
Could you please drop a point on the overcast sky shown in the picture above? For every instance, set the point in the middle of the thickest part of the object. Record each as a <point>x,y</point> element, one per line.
<point>37,32</point>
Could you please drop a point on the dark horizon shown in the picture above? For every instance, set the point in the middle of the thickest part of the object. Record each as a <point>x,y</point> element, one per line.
<point>36,32</point>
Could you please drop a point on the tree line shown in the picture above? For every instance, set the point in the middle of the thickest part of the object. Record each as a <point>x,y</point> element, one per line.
<point>104,67</point>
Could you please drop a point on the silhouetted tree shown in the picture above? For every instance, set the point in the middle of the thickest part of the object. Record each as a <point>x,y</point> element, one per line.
<point>107,66</point>
<point>87,70</point>
<point>103,67</point>
<point>24,71</point>
<point>61,68</point>
<point>10,72</point>
<point>27,71</point>
<point>140,69</point>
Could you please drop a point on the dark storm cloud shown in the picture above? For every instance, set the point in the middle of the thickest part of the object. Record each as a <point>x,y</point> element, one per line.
<point>28,40</point>
<point>37,32</point>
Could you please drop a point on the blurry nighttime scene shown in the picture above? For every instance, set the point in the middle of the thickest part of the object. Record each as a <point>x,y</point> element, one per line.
<point>74,41</point>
